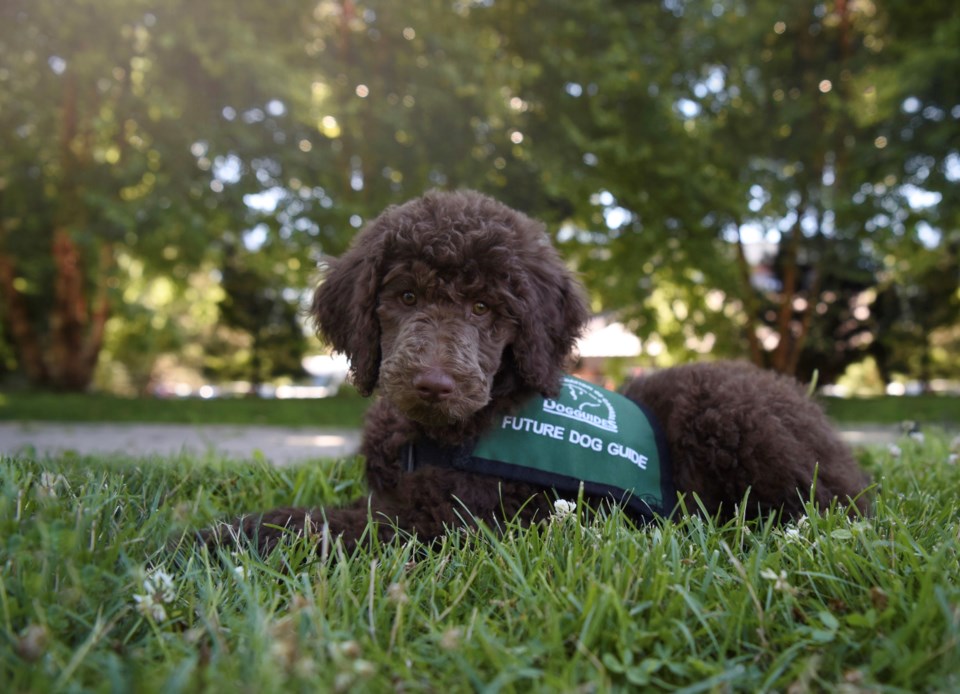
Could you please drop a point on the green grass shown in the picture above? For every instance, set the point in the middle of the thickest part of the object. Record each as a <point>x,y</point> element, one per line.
<point>826,604</point>
<point>344,410</point>
<point>943,410</point>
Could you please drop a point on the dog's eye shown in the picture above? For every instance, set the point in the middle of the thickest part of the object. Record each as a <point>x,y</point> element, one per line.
<point>480,308</point>
<point>408,298</point>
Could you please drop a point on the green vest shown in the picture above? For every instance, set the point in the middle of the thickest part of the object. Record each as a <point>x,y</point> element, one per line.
<point>585,435</point>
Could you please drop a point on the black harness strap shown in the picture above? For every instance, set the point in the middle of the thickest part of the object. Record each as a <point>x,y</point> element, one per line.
<point>428,453</point>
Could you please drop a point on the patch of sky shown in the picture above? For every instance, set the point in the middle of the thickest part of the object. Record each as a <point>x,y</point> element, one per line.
<point>356,180</point>
<point>715,80</point>
<point>57,64</point>
<point>951,167</point>
<point>617,217</point>
<point>253,239</point>
<point>227,169</point>
<point>265,201</point>
<point>254,115</point>
<point>919,199</point>
<point>828,225</point>
<point>751,233</point>
<point>911,104</point>
<point>714,83</point>
<point>929,236</point>
<point>688,108</point>
<point>809,224</point>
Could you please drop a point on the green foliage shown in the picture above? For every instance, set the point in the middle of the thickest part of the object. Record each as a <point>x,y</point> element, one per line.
<point>159,320</point>
<point>692,127</point>
<point>653,137</point>
<point>825,603</point>
<point>107,111</point>
<point>257,308</point>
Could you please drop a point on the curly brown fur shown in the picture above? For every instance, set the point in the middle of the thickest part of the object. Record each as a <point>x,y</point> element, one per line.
<point>457,308</point>
<point>733,428</point>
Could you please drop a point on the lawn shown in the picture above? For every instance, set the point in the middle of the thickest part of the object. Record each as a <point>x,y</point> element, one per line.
<point>344,410</point>
<point>940,410</point>
<point>347,408</point>
<point>95,597</point>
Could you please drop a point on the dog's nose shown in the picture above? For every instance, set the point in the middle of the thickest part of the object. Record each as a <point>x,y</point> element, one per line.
<point>434,384</point>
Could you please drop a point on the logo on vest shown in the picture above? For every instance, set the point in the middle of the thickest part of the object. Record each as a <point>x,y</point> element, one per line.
<point>583,403</point>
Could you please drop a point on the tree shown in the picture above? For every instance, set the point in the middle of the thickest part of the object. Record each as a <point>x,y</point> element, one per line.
<point>917,106</point>
<point>693,126</point>
<point>655,138</point>
<point>143,128</point>
<point>253,305</point>
<point>113,116</point>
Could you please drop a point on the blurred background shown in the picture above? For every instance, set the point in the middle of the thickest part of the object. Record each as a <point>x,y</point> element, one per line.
<point>765,180</point>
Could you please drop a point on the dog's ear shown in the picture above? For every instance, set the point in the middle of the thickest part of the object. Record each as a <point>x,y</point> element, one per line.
<point>344,309</point>
<point>551,318</point>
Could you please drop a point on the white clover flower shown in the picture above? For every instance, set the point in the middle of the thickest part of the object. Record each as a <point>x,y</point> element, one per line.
<point>158,589</point>
<point>364,668</point>
<point>50,482</point>
<point>160,584</point>
<point>148,606</point>
<point>791,533</point>
<point>917,436</point>
<point>239,573</point>
<point>397,593</point>
<point>348,650</point>
<point>343,681</point>
<point>894,450</point>
<point>780,580</point>
<point>563,508</point>
<point>305,668</point>
<point>451,639</point>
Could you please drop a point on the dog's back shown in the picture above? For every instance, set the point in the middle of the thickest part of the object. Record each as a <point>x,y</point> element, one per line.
<point>732,427</point>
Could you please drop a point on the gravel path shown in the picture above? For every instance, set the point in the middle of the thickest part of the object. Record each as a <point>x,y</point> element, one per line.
<point>281,445</point>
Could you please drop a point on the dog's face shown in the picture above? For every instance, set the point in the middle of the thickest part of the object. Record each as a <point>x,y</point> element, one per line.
<point>442,339</point>
<point>449,301</point>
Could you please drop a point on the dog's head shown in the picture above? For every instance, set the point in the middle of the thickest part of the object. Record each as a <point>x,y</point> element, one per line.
<point>448,301</point>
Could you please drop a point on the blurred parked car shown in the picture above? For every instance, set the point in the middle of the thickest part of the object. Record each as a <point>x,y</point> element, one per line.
<point>327,374</point>
<point>317,387</point>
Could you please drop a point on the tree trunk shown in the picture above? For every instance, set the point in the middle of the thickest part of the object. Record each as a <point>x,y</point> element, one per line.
<point>804,330</point>
<point>790,257</point>
<point>23,337</point>
<point>68,314</point>
<point>66,357</point>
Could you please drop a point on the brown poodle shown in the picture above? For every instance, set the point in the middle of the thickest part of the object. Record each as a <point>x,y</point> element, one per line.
<point>461,313</point>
